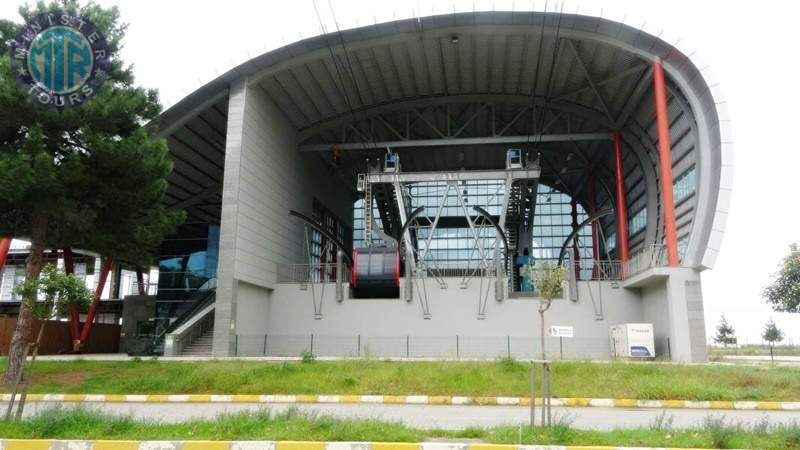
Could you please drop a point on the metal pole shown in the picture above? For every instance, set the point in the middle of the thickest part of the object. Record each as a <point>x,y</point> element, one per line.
<point>561,346</point>
<point>265,344</point>
<point>312,344</point>
<point>457,349</point>
<point>592,187</point>
<point>544,393</point>
<point>669,350</point>
<point>533,395</point>
<point>549,396</point>
<point>408,347</point>
<point>508,345</point>
<point>358,352</point>
<point>665,163</point>
<point>235,345</point>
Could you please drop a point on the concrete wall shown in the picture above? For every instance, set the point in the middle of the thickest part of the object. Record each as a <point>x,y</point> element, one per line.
<point>265,177</point>
<point>672,300</point>
<point>385,325</point>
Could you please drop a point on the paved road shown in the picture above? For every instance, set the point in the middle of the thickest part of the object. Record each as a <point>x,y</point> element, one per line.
<point>438,416</point>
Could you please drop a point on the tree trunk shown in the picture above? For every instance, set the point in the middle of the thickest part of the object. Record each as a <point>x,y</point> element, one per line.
<point>541,332</point>
<point>22,332</point>
<point>26,383</point>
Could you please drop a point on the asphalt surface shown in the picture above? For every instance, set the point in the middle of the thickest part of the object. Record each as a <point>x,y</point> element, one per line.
<point>440,416</point>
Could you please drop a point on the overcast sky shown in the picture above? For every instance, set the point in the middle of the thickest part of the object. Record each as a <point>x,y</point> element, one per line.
<point>178,45</point>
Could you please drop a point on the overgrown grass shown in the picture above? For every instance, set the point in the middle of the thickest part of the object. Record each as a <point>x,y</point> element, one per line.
<point>495,378</point>
<point>84,423</point>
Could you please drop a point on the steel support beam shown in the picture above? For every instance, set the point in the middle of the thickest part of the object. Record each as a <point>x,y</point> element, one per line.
<point>665,163</point>
<point>87,325</point>
<point>532,139</point>
<point>592,186</point>
<point>416,177</point>
<point>5,245</point>
<point>622,207</point>
<point>408,292</point>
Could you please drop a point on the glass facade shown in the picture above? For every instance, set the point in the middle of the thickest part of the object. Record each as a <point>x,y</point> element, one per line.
<point>685,184</point>
<point>611,242</point>
<point>553,224</point>
<point>453,244</point>
<point>188,263</point>
<point>637,221</point>
<point>319,249</point>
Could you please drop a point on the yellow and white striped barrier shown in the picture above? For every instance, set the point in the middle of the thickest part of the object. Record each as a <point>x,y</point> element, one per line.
<point>409,400</point>
<point>44,444</point>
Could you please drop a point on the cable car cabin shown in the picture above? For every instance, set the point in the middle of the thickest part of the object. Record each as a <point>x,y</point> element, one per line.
<point>376,272</point>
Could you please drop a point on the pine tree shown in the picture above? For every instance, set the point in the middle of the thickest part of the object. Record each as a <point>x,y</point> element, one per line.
<point>91,177</point>
<point>725,333</point>
<point>772,334</point>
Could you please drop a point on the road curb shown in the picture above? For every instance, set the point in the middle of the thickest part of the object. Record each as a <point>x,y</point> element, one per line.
<point>45,444</point>
<point>409,400</point>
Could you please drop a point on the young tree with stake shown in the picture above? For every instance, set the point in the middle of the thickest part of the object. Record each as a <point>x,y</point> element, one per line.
<point>549,280</point>
<point>772,334</point>
<point>59,292</point>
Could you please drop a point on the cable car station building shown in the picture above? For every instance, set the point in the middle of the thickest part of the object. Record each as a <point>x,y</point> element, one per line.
<point>382,190</point>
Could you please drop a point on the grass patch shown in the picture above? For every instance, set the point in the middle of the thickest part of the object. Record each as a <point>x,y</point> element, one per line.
<point>82,423</point>
<point>503,377</point>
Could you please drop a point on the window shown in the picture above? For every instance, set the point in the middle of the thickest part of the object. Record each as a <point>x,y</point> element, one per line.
<point>683,246</point>
<point>453,242</point>
<point>638,221</point>
<point>611,242</point>
<point>685,185</point>
<point>553,224</point>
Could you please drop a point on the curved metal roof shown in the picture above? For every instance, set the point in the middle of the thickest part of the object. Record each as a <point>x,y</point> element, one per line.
<point>477,83</point>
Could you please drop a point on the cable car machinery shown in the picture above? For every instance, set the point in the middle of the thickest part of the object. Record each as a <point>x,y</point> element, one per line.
<point>387,188</point>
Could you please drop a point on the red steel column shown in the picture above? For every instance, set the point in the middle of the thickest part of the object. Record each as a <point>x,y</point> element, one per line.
<point>622,207</point>
<point>101,283</point>
<point>665,163</point>
<point>595,225</point>
<point>5,245</point>
<point>74,317</point>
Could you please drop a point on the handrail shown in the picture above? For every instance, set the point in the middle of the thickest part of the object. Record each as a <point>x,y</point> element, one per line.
<point>193,320</point>
<point>205,293</point>
<point>181,337</point>
<point>645,258</point>
<point>312,273</point>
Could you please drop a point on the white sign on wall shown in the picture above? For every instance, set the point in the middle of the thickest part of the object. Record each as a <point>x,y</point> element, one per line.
<point>560,331</point>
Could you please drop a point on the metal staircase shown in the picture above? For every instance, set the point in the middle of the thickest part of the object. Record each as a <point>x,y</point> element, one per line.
<point>519,219</point>
<point>513,220</point>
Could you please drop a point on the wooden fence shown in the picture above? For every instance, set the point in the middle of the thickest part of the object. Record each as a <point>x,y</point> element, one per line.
<point>104,338</point>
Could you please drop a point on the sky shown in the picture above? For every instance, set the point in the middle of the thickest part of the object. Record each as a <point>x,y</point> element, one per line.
<point>179,45</point>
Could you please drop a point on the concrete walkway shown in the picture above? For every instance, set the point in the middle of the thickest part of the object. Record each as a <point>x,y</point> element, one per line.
<point>438,416</point>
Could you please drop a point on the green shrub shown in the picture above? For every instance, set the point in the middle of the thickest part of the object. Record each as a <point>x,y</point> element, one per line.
<point>307,357</point>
